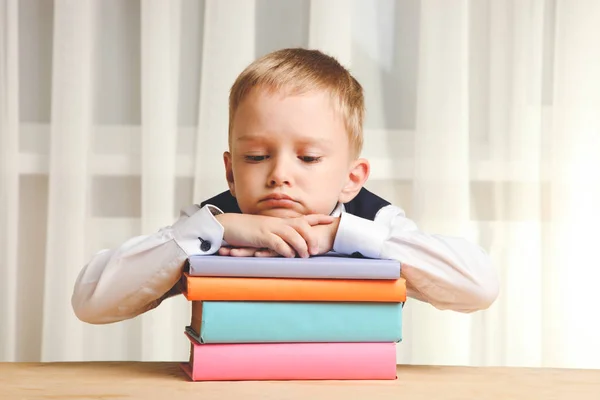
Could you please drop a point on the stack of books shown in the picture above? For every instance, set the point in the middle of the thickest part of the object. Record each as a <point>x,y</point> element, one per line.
<point>324,317</point>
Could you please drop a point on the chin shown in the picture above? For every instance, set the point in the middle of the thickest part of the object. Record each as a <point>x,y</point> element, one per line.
<point>281,213</point>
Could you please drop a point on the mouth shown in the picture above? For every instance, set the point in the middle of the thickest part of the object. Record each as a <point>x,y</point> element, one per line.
<point>278,201</point>
<point>277,196</point>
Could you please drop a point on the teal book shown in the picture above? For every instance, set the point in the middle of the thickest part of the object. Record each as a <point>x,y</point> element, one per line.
<point>285,322</point>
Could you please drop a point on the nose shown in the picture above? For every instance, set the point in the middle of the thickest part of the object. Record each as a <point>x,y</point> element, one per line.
<point>279,174</point>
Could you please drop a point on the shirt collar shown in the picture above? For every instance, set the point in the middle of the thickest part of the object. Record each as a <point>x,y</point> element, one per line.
<point>338,210</point>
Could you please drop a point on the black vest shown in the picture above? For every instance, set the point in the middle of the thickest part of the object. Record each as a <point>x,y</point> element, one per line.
<point>365,204</point>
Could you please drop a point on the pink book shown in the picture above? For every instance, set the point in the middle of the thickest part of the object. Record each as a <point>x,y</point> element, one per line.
<point>291,361</point>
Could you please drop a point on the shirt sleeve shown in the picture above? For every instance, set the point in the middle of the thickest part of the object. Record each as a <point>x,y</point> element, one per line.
<point>449,273</point>
<point>121,283</point>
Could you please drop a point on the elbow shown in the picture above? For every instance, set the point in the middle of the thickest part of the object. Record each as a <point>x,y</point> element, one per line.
<point>84,316</point>
<point>484,295</point>
<point>84,305</point>
<point>476,297</point>
<point>88,318</point>
<point>85,313</point>
<point>485,286</point>
<point>463,280</point>
<point>99,311</point>
<point>88,309</point>
<point>80,303</point>
<point>86,301</point>
<point>89,315</point>
<point>476,289</point>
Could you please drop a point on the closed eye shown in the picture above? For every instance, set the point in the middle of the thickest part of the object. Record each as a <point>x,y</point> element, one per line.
<point>255,158</point>
<point>310,159</point>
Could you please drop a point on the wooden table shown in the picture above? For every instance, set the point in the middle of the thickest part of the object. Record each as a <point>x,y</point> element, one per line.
<point>138,380</point>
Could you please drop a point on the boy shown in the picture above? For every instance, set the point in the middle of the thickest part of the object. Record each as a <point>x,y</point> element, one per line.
<point>295,189</point>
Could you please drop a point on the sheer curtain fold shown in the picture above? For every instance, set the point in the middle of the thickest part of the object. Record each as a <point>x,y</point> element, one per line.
<point>71,122</point>
<point>228,48</point>
<point>160,47</point>
<point>9,176</point>
<point>441,164</point>
<point>517,91</point>
<point>575,187</point>
<point>330,29</point>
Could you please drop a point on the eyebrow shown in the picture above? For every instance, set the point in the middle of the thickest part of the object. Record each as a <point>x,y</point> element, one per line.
<point>318,142</point>
<point>248,138</point>
<point>304,141</point>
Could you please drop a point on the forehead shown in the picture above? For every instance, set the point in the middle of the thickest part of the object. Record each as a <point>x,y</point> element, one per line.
<point>271,113</point>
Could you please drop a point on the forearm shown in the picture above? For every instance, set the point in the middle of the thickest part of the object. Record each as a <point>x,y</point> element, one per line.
<point>449,273</point>
<point>133,278</point>
<point>122,283</point>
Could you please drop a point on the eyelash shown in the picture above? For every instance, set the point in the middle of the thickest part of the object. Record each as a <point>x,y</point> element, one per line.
<point>310,159</point>
<point>306,159</point>
<point>255,158</point>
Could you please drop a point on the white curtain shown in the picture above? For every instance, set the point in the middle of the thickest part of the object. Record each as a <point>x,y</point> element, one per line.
<point>483,120</point>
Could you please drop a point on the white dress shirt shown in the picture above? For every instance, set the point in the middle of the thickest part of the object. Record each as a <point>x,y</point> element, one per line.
<point>121,283</point>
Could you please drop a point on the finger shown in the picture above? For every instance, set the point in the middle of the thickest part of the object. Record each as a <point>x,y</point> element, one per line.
<point>242,252</point>
<point>280,246</point>
<point>224,251</point>
<point>318,219</point>
<point>308,234</point>
<point>266,253</point>
<point>293,238</point>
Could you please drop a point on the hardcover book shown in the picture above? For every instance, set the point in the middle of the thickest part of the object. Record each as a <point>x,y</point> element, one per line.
<point>273,322</point>
<point>291,361</point>
<point>283,289</point>
<point>327,266</point>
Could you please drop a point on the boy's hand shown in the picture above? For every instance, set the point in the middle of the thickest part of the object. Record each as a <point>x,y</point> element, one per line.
<point>323,234</point>
<point>283,236</point>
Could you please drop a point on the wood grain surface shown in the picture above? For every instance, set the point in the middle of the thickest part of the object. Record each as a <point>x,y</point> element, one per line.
<point>153,380</point>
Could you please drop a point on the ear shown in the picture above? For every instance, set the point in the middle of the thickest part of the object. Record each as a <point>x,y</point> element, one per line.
<point>229,172</point>
<point>357,176</point>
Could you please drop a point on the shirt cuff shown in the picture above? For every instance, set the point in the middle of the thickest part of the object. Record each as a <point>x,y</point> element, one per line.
<point>359,235</point>
<point>200,233</point>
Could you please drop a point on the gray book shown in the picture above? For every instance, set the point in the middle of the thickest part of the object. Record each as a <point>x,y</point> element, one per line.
<point>326,266</point>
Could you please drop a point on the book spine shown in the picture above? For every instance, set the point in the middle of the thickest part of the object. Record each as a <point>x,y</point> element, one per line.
<point>278,289</point>
<point>308,270</point>
<point>297,361</point>
<point>285,322</point>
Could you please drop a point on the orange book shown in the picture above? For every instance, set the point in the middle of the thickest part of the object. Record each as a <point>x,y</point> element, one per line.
<point>201,288</point>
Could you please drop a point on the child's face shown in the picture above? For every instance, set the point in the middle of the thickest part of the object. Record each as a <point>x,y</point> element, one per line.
<point>291,156</point>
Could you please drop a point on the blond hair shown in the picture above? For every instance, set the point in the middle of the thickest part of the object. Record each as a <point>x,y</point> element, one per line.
<point>300,70</point>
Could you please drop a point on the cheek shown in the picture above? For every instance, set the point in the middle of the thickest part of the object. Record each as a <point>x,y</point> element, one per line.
<point>240,172</point>
<point>336,174</point>
<point>328,180</point>
<point>246,177</point>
